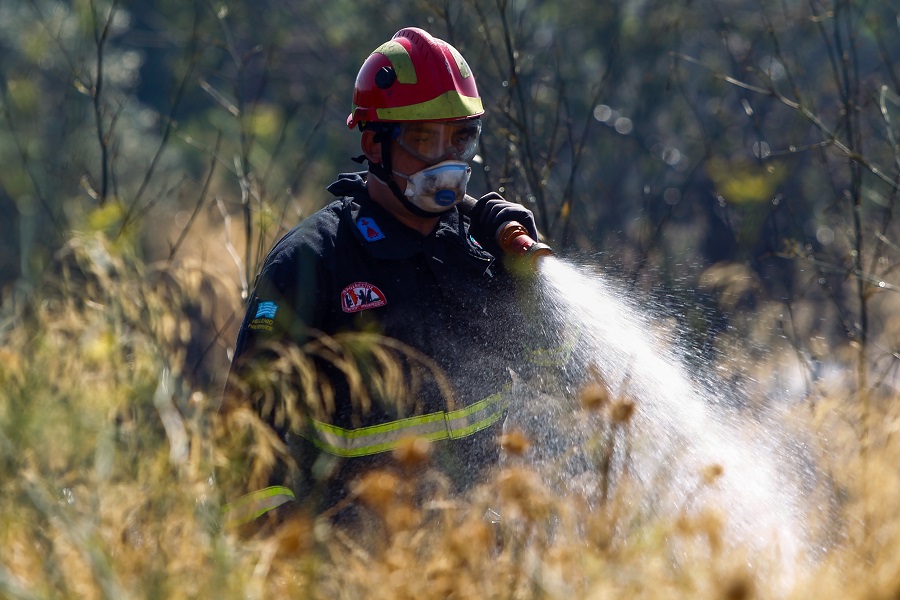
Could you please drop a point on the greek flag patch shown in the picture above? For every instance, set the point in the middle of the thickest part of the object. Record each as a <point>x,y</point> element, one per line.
<point>265,317</point>
<point>266,310</point>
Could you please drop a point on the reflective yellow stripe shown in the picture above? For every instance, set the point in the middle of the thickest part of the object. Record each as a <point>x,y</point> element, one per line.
<point>464,69</point>
<point>400,60</point>
<point>478,416</point>
<point>554,357</point>
<point>449,105</point>
<point>255,504</point>
<point>375,439</point>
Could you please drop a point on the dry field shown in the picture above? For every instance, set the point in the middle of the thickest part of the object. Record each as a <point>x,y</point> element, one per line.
<point>108,445</point>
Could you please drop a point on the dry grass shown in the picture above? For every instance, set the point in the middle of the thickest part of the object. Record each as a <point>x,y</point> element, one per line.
<point>107,446</point>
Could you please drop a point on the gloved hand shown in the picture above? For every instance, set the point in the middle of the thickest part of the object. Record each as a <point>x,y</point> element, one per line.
<point>490,212</point>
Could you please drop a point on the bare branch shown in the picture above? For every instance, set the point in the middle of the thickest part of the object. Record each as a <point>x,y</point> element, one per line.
<point>169,124</point>
<point>200,201</point>
<point>831,137</point>
<point>101,36</point>
<point>229,246</point>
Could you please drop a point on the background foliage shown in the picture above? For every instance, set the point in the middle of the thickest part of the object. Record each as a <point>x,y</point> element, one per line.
<point>733,150</point>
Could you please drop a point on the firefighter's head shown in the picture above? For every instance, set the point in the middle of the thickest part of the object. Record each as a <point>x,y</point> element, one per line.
<point>416,102</point>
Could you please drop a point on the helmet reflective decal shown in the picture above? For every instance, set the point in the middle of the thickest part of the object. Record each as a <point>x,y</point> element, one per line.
<point>400,60</point>
<point>461,63</point>
<point>361,296</point>
<point>370,229</point>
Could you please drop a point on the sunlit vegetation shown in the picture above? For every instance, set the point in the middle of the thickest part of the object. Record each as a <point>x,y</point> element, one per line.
<point>109,454</point>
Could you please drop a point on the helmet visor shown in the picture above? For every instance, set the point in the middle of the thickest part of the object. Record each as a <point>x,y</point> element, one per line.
<point>434,142</point>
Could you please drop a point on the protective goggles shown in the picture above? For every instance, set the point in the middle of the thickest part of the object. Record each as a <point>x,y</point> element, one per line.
<point>434,142</point>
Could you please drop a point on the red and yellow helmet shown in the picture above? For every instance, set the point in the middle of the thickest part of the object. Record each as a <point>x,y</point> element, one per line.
<point>414,77</point>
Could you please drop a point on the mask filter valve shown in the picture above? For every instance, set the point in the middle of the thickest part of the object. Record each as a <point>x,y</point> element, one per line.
<point>445,197</point>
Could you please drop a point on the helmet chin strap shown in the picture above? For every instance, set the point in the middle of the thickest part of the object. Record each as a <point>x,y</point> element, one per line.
<point>385,174</point>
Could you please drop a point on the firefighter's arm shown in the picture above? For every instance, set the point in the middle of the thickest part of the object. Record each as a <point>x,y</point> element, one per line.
<point>255,413</point>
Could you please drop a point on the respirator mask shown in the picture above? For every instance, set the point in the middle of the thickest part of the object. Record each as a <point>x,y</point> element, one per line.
<point>446,146</point>
<point>438,187</point>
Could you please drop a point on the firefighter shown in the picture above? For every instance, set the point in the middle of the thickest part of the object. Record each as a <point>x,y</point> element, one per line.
<point>403,260</point>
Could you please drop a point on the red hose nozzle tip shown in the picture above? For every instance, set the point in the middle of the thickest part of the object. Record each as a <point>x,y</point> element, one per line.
<point>514,239</point>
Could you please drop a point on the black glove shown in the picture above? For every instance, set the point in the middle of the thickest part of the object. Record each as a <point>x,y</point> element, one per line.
<point>490,212</point>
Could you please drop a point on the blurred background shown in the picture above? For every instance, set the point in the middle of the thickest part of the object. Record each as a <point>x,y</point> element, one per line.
<point>734,161</point>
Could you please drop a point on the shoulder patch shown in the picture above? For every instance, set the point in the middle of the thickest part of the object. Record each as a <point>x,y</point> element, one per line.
<point>266,309</point>
<point>370,229</point>
<point>361,296</point>
<point>265,316</point>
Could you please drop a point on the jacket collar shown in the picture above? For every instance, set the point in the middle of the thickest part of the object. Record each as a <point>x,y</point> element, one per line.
<point>383,236</point>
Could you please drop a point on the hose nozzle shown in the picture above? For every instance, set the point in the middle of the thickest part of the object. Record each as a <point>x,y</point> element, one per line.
<point>514,240</point>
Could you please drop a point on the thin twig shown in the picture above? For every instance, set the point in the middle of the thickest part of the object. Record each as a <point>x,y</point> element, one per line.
<point>831,138</point>
<point>200,201</point>
<point>101,36</point>
<point>169,124</point>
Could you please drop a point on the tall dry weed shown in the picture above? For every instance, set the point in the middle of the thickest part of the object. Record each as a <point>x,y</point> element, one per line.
<point>108,444</point>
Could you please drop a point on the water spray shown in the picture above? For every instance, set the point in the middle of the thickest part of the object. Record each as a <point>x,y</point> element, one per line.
<point>681,428</point>
<point>684,450</point>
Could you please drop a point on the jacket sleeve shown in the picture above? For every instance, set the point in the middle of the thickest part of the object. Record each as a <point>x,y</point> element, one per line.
<point>283,310</point>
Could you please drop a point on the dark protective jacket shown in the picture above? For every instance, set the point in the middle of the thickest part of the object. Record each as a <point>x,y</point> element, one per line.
<point>352,267</point>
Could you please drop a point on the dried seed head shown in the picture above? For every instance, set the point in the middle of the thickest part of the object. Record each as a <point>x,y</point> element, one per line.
<point>622,410</point>
<point>294,536</point>
<point>412,452</point>
<point>594,396</point>
<point>469,542</point>
<point>712,524</point>
<point>707,524</point>
<point>711,473</point>
<point>738,587</point>
<point>401,517</point>
<point>601,530</point>
<point>522,491</point>
<point>515,484</point>
<point>377,490</point>
<point>514,442</point>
